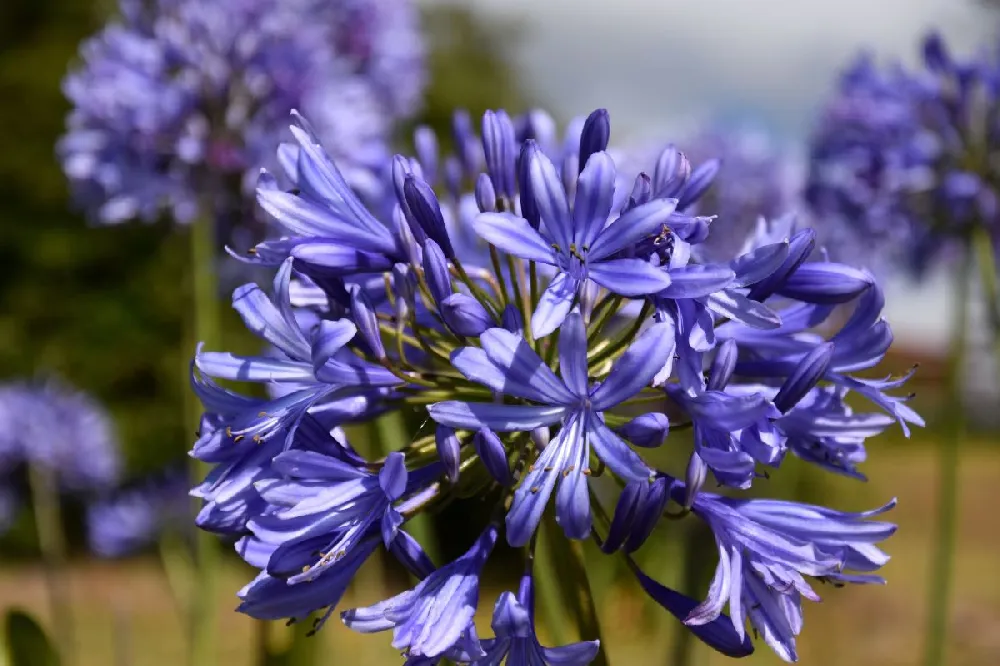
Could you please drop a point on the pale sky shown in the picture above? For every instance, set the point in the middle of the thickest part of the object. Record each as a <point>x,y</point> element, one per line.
<point>662,66</point>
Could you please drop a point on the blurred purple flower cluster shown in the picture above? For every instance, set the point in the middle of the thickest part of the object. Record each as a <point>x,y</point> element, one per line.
<point>904,162</point>
<point>178,102</point>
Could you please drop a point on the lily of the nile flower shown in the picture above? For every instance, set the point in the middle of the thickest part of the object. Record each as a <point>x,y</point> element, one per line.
<point>515,638</point>
<point>436,615</point>
<point>64,431</point>
<point>324,224</point>
<point>318,364</point>
<point>327,505</point>
<point>765,549</point>
<point>578,243</point>
<point>732,429</point>
<point>506,363</point>
<point>824,430</point>
<point>860,344</point>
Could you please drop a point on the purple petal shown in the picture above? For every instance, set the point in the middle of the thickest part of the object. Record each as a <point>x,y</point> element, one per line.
<point>501,418</point>
<point>329,338</point>
<point>718,634</point>
<point>697,281</point>
<point>338,258</point>
<point>533,494</point>
<point>646,430</point>
<point>573,498</point>
<point>392,476</point>
<point>521,364</point>
<point>252,369</point>
<point>756,265</point>
<point>629,277</point>
<point>638,223</point>
<point>573,354</point>
<point>554,305</point>
<point>550,197</point>
<point>734,305</point>
<point>826,283</point>
<point>574,654</point>
<point>635,369</point>
<point>513,235</point>
<point>465,315</point>
<point>615,453</point>
<point>595,192</point>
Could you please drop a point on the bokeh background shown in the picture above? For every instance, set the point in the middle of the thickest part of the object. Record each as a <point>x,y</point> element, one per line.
<point>105,308</point>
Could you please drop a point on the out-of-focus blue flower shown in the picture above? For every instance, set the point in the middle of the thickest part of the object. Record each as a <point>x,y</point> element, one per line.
<point>901,159</point>
<point>66,431</point>
<point>176,100</point>
<point>132,518</point>
<point>527,337</point>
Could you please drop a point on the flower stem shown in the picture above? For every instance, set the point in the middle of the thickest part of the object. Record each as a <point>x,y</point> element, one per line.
<point>986,259</point>
<point>563,568</point>
<point>48,521</point>
<point>947,497</point>
<point>207,330</point>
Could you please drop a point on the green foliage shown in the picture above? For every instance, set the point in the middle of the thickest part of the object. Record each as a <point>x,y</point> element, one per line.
<point>25,642</point>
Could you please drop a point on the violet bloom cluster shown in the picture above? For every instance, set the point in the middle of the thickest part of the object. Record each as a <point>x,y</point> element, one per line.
<point>903,162</point>
<point>178,102</point>
<point>63,431</point>
<point>526,308</point>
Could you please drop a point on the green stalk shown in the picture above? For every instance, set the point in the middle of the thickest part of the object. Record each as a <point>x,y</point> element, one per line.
<point>986,259</point>
<point>941,573</point>
<point>696,560</point>
<point>206,330</point>
<point>561,576</point>
<point>51,541</point>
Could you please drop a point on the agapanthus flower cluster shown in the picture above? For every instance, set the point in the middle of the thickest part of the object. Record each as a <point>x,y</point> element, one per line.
<point>903,162</point>
<point>177,102</point>
<point>521,322</point>
<point>63,431</point>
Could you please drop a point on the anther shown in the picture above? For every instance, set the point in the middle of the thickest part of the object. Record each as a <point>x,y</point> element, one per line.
<point>534,490</point>
<point>237,438</point>
<point>586,471</point>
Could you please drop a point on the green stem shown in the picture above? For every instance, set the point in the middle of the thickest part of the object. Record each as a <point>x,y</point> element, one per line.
<point>986,259</point>
<point>563,572</point>
<point>947,498</point>
<point>51,541</point>
<point>206,330</point>
<point>696,560</point>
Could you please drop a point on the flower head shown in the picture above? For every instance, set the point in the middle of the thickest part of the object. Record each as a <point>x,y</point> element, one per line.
<point>899,161</point>
<point>528,308</point>
<point>176,99</point>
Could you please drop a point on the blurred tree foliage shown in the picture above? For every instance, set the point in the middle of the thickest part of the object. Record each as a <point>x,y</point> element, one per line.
<point>105,308</point>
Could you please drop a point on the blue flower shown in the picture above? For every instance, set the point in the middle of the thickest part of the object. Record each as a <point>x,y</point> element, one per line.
<point>136,516</point>
<point>323,504</point>
<point>436,615</point>
<point>174,99</point>
<point>514,628</point>
<point>579,244</point>
<point>67,432</point>
<point>315,367</point>
<point>765,549</point>
<point>507,364</point>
